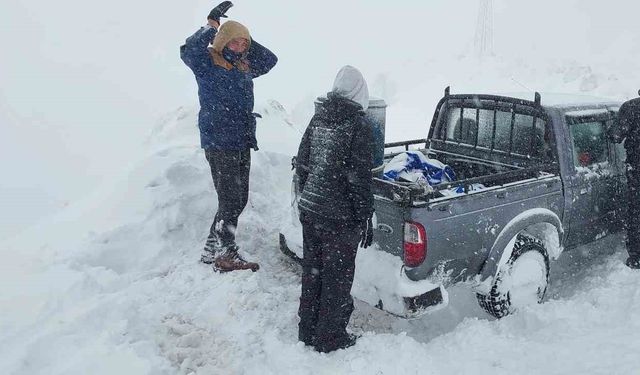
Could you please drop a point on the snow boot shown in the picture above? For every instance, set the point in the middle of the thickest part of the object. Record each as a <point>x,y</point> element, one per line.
<point>230,260</point>
<point>207,257</point>
<point>211,249</point>
<point>347,342</point>
<point>633,263</point>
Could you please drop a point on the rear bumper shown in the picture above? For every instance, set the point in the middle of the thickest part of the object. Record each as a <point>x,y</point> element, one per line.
<point>380,281</point>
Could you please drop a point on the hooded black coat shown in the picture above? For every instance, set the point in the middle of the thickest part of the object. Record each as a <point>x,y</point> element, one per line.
<point>629,119</point>
<point>334,164</point>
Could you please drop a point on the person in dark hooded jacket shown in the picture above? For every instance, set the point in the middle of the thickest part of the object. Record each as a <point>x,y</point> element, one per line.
<point>333,166</point>
<point>224,63</point>
<point>629,123</point>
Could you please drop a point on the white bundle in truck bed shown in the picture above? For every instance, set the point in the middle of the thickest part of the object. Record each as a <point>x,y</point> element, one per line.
<point>416,168</point>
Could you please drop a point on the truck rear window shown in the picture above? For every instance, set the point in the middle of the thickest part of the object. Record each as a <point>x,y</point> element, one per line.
<point>501,130</point>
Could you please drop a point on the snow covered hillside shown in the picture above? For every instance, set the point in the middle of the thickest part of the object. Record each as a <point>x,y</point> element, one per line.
<point>113,285</point>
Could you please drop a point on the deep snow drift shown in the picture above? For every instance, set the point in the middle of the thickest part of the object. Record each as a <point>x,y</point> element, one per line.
<point>113,285</point>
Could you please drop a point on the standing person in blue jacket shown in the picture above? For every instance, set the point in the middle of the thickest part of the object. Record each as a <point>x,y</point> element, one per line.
<point>225,60</point>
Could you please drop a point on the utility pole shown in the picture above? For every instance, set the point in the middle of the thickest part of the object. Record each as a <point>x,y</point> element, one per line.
<point>484,29</point>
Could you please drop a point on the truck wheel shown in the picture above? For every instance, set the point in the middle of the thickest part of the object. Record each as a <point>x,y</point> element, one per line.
<point>522,281</point>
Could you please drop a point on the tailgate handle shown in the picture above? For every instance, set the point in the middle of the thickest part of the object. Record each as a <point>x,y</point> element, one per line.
<point>501,194</point>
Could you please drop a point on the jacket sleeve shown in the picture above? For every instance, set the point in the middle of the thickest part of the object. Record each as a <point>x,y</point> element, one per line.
<point>194,52</point>
<point>624,122</point>
<point>261,60</point>
<point>302,160</point>
<point>359,176</point>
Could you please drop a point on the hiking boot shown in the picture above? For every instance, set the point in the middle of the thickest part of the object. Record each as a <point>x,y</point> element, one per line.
<point>230,260</point>
<point>211,250</point>
<point>207,257</point>
<point>347,342</point>
<point>633,263</point>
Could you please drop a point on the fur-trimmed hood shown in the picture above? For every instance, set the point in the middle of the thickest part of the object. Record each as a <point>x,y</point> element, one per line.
<point>229,31</point>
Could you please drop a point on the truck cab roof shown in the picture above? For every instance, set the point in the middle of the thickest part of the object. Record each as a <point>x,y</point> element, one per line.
<point>565,101</point>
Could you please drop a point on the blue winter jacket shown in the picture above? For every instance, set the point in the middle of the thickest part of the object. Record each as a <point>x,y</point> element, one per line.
<point>226,118</point>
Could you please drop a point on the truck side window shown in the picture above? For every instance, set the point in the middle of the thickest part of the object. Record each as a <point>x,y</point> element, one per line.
<point>589,143</point>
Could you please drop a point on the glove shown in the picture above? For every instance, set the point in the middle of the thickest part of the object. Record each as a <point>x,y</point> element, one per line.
<point>367,233</point>
<point>220,10</point>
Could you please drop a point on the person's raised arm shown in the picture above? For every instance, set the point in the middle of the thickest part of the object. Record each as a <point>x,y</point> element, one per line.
<point>194,52</point>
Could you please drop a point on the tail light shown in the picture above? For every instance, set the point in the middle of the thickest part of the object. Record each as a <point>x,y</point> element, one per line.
<point>415,244</point>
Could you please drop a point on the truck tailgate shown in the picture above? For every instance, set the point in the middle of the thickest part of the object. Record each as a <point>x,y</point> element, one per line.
<point>389,225</point>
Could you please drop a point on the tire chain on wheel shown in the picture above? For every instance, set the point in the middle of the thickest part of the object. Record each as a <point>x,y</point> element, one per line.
<point>498,304</point>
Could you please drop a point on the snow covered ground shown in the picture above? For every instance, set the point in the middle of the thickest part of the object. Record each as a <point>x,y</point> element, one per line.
<point>113,285</point>
<point>112,282</point>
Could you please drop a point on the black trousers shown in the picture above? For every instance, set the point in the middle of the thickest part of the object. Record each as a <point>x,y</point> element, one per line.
<point>328,265</point>
<point>230,172</point>
<point>633,217</point>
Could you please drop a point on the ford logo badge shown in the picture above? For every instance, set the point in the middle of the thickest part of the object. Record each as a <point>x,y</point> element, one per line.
<point>384,228</point>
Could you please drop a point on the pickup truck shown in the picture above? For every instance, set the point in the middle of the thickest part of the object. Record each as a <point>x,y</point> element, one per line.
<point>534,178</point>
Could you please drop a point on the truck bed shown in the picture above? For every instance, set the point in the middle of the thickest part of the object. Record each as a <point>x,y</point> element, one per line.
<point>471,172</point>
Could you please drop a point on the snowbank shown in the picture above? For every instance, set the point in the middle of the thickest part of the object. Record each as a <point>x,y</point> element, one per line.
<point>113,285</point>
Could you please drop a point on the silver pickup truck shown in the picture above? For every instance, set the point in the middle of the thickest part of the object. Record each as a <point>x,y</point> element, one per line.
<point>533,178</point>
